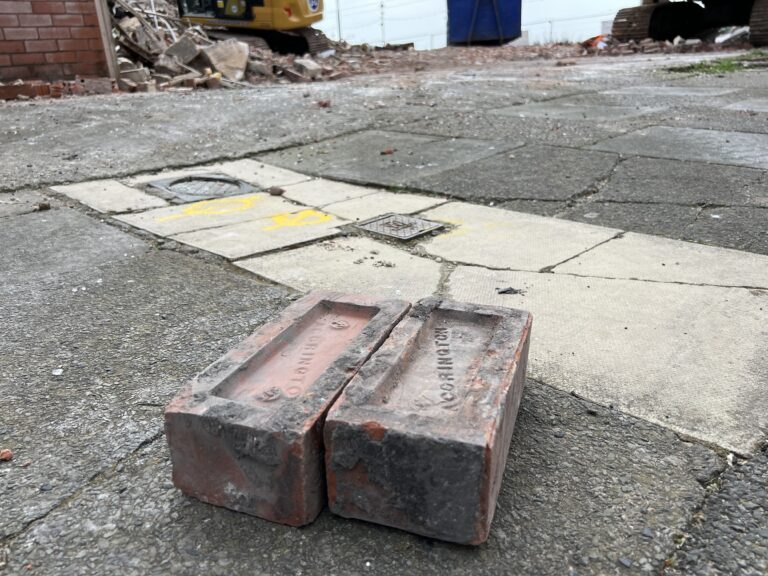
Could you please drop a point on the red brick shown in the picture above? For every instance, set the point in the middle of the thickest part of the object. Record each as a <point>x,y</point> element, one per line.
<point>41,46</point>
<point>95,45</point>
<point>5,60</point>
<point>67,20</point>
<point>8,20</point>
<point>11,47</point>
<point>49,72</point>
<point>13,73</point>
<point>246,433</point>
<point>88,32</point>
<point>48,8</point>
<point>88,7</point>
<point>419,439</point>
<point>62,57</point>
<point>90,20</point>
<point>91,56</point>
<point>26,59</point>
<point>2,36</point>
<point>85,69</point>
<point>73,44</point>
<point>20,34</point>
<point>15,7</point>
<point>53,33</point>
<point>35,20</point>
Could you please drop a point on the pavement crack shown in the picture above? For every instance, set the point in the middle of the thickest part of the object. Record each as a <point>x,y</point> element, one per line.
<point>8,539</point>
<point>550,269</point>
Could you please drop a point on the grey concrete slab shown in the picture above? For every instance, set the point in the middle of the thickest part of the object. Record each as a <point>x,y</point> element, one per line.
<point>512,240</point>
<point>662,219</point>
<point>88,138</point>
<point>97,335</point>
<point>576,109</point>
<point>719,147</point>
<point>354,264</point>
<point>663,260</point>
<point>484,125</point>
<point>740,228</point>
<point>22,202</point>
<point>380,203</point>
<point>583,485</point>
<point>58,243</point>
<point>533,206</point>
<point>673,182</point>
<point>730,535</point>
<point>110,196</point>
<point>533,172</point>
<point>319,192</point>
<point>752,105</point>
<point>662,92</point>
<point>385,158</point>
<point>712,118</point>
<point>673,354</point>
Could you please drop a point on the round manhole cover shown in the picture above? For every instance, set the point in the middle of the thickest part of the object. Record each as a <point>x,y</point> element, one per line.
<point>205,186</point>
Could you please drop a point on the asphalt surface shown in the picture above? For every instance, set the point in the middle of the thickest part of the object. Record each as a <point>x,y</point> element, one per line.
<point>101,326</point>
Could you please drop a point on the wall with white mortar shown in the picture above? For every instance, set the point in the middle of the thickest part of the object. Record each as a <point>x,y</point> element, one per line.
<point>424,22</point>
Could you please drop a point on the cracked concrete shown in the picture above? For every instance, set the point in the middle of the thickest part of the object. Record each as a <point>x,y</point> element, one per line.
<point>665,336</point>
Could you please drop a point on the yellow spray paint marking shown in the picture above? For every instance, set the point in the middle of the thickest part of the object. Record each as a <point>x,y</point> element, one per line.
<point>215,207</point>
<point>303,218</point>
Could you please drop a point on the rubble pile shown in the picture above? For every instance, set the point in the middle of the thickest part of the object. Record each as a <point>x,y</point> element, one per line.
<point>723,39</point>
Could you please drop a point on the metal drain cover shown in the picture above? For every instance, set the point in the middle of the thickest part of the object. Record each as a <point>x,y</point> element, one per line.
<point>399,226</point>
<point>202,186</point>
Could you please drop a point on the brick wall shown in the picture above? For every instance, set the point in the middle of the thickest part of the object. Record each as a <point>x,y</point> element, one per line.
<point>50,40</point>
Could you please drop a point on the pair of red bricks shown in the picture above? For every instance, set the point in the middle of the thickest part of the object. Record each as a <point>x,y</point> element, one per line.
<point>401,416</point>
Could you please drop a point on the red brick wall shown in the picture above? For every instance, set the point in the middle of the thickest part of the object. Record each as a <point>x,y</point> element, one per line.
<point>50,40</point>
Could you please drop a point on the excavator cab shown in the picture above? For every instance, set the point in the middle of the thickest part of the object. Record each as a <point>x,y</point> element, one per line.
<point>252,14</point>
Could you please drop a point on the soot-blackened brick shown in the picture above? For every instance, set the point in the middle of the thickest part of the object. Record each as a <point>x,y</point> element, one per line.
<point>246,433</point>
<point>419,438</point>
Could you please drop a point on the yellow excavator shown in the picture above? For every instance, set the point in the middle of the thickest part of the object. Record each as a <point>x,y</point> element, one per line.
<point>281,25</point>
<point>665,20</point>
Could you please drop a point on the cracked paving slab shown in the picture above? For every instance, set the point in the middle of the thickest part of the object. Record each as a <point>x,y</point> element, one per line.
<point>384,158</point>
<point>688,357</point>
<point>504,239</point>
<point>720,147</point>
<point>319,192</point>
<point>668,220</point>
<point>355,264</point>
<point>99,331</point>
<point>532,172</point>
<point>730,532</point>
<point>637,256</point>
<point>741,228</point>
<point>586,490</point>
<point>381,203</point>
<point>209,213</point>
<point>577,109</point>
<point>110,196</point>
<point>691,183</point>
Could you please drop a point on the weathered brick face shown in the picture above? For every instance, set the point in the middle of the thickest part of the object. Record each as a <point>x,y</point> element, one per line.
<point>50,40</point>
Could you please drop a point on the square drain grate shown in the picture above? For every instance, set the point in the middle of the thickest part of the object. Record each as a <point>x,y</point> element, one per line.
<point>399,226</point>
<point>202,187</point>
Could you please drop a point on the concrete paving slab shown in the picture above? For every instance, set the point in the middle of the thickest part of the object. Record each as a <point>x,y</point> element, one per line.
<point>638,256</point>
<point>504,239</point>
<point>209,213</point>
<point>669,220</point>
<point>692,183</point>
<point>669,353</point>
<point>740,228</point>
<point>482,125</point>
<point>23,202</point>
<point>542,208</point>
<point>752,105</point>
<point>252,171</point>
<point>110,196</point>
<point>533,172</point>
<point>382,203</point>
<point>256,236</point>
<point>576,110</point>
<point>384,158</point>
<point>99,332</point>
<point>320,192</point>
<point>581,487</point>
<point>47,245</point>
<point>673,91</point>
<point>354,264</point>
<point>719,147</point>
